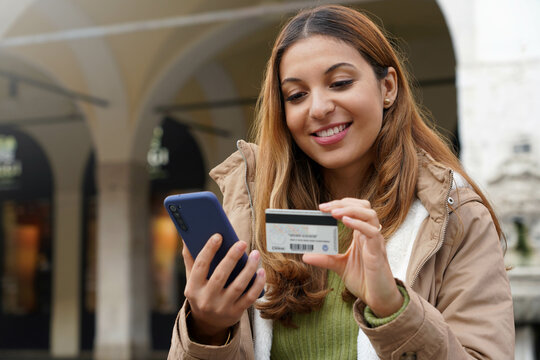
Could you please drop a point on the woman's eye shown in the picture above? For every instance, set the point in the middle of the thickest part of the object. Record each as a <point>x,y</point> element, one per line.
<point>341,84</point>
<point>295,97</point>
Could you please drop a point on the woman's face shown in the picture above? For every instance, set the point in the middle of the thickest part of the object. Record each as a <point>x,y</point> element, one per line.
<point>333,102</point>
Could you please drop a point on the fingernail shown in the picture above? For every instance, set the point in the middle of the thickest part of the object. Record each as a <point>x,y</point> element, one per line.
<point>323,206</point>
<point>260,272</point>
<point>240,246</point>
<point>255,255</point>
<point>216,238</point>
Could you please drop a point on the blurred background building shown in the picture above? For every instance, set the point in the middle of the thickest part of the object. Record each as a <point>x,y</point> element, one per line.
<point>108,106</point>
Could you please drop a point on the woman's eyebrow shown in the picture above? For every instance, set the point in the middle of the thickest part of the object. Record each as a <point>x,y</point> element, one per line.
<point>290,80</point>
<point>338,65</point>
<point>329,70</point>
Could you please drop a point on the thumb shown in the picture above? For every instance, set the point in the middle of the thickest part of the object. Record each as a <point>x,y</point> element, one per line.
<point>330,262</point>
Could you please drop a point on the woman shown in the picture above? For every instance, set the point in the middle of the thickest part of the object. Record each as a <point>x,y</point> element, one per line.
<point>338,130</point>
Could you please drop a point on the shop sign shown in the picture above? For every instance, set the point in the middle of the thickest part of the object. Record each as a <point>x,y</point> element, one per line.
<point>158,155</point>
<point>10,166</point>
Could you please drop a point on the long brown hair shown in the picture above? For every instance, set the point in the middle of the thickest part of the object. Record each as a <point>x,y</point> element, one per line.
<point>286,178</point>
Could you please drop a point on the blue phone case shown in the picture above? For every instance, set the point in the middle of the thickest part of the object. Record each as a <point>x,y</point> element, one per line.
<point>199,215</point>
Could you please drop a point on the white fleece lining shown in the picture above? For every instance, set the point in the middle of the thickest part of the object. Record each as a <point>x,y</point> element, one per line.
<point>262,333</point>
<point>399,249</point>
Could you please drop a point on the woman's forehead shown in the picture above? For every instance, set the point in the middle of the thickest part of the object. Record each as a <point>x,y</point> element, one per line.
<point>317,52</point>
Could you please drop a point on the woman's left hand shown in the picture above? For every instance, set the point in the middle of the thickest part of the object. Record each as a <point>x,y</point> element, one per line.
<point>364,268</point>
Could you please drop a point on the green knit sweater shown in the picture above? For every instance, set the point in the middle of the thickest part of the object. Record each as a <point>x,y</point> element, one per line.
<point>329,333</point>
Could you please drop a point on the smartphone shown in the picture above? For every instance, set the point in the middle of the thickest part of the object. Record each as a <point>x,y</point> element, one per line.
<point>199,215</point>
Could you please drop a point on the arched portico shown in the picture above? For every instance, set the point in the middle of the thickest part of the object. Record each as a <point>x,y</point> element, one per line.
<point>451,56</point>
<point>180,69</point>
<point>48,116</point>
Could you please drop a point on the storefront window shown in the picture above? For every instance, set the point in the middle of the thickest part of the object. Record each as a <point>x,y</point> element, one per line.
<point>27,267</point>
<point>25,242</point>
<point>166,261</point>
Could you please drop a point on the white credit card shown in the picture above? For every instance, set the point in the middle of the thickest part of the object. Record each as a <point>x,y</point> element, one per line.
<point>301,231</point>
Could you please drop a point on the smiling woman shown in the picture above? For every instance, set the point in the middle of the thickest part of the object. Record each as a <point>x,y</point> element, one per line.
<point>334,104</point>
<point>338,130</point>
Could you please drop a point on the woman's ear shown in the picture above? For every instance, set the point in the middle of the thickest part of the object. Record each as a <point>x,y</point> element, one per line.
<point>389,87</point>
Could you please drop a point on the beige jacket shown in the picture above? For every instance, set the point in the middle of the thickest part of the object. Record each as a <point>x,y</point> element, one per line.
<point>461,305</point>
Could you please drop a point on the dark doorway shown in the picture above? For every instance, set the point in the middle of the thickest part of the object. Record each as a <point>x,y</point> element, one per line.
<point>176,165</point>
<point>25,242</point>
<point>88,257</point>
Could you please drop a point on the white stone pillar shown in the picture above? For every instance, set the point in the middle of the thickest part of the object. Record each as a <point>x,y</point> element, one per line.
<point>497,45</point>
<point>67,168</point>
<point>122,314</point>
<point>65,319</point>
<point>525,343</point>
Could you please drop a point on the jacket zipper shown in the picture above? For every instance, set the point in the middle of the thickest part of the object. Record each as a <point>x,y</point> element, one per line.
<point>445,225</point>
<point>251,311</point>
<point>238,146</point>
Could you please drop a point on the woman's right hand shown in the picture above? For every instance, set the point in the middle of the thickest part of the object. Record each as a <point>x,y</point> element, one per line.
<point>214,309</point>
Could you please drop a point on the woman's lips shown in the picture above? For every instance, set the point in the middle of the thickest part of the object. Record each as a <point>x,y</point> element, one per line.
<point>331,135</point>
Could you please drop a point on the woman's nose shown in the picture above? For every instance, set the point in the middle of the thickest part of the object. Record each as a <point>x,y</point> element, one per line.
<point>321,105</point>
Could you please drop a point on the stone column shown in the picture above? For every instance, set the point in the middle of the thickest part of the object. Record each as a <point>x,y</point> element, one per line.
<point>65,319</point>
<point>122,314</point>
<point>525,343</point>
<point>525,282</point>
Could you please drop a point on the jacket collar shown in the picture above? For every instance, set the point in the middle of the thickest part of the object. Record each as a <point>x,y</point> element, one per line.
<point>433,185</point>
<point>245,157</point>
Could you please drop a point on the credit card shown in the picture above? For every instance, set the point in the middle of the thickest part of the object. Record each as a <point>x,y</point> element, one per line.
<point>301,231</point>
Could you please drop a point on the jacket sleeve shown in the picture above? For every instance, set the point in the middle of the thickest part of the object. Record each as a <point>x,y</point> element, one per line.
<point>182,347</point>
<point>472,316</point>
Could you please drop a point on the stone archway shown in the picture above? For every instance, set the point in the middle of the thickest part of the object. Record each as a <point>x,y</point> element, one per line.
<point>10,11</point>
<point>180,69</point>
<point>106,123</point>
